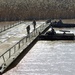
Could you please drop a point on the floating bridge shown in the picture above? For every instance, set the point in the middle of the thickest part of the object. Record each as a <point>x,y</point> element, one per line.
<point>10,51</point>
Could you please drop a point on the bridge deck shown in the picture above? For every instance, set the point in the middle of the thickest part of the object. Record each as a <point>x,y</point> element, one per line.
<point>14,41</point>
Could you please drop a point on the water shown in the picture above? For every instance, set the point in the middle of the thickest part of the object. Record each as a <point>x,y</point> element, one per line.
<point>51,58</point>
<point>48,58</point>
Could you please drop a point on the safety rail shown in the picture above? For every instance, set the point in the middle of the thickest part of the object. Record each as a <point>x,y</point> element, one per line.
<point>25,41</point>
<point>10,26</point>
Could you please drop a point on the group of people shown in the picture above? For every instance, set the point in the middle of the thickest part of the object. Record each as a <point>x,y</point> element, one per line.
<point>28,27</point>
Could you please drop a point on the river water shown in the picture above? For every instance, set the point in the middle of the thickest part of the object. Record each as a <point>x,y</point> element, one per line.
<point>48,58</point>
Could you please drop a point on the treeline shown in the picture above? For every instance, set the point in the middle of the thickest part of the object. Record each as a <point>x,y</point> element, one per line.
<point>36,9</point>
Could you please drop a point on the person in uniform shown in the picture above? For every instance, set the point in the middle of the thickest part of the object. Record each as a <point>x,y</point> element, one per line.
<point>34,24</point>
<point>28,29</point>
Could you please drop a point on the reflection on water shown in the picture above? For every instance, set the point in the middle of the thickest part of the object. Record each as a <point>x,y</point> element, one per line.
<point>48,58</point>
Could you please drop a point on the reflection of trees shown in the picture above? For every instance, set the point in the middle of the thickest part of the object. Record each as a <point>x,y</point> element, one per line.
<point>38,9</point>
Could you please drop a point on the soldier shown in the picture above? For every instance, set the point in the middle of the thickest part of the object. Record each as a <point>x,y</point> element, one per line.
<point>48,21</point>
<point>34,24</point>
<point>52,31</point>
<point>28,29</point>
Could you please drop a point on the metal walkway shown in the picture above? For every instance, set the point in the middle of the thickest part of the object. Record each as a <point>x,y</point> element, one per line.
<point>10,53</point>
<point>4,28</point>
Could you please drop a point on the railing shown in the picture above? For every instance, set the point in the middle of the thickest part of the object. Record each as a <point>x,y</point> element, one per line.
<point>10,26</point>
<point>25,41</point>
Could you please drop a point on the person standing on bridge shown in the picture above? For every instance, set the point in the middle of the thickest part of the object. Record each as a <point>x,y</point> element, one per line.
<point>28,29</point>
<point>34,24</point>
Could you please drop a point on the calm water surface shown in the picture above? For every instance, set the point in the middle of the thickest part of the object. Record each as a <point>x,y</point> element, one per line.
<point>48,58</point>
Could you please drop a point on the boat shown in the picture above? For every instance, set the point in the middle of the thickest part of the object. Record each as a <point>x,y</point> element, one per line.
<point>60,24</point>
<point>61,35</point>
